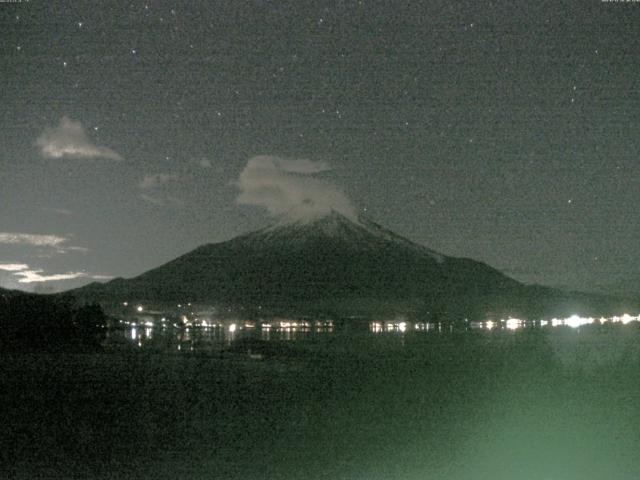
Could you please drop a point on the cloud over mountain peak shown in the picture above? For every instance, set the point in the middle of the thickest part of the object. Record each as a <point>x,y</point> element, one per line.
<point>291,188</point>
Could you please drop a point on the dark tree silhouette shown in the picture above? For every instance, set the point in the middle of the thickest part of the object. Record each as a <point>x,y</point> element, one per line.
<point>41,323</point>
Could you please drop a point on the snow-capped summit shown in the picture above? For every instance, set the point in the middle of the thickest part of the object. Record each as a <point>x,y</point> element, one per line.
<point>360,231</point>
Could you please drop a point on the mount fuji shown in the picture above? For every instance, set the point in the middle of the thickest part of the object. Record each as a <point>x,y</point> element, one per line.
<point>328,263</point>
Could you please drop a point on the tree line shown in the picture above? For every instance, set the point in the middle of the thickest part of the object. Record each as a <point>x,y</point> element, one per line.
<point>49,323</point>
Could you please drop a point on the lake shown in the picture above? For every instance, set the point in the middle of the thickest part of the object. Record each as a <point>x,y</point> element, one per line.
<point>339,402</point>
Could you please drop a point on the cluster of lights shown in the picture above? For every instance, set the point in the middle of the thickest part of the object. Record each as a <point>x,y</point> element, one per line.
<point>286,325</point>
<point>510,323</point>
<point>377,327</point>
<point>624,319</point>
<point>398,325</point>
<point>513,323</point>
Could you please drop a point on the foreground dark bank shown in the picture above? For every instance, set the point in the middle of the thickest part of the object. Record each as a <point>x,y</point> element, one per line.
<point>534,404</point>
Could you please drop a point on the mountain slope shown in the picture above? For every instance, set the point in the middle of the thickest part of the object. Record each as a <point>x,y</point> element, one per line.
<point>331,257</point>
<point>5,293</point>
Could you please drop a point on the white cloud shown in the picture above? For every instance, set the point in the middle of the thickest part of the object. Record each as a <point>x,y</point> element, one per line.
<point>13,267</point>
<point>29,275</point>
<point>69,140</point>
<point>33,276</point>
<point>54,242</point>
<point>288,187</point>
<point>156,190</point>
<point>29,239</point>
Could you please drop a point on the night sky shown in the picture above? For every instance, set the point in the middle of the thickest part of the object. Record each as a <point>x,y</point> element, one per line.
<point>507,132</point>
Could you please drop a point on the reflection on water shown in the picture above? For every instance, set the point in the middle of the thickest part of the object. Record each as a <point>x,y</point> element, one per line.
<point>215,335</point>
<point>574,321</point>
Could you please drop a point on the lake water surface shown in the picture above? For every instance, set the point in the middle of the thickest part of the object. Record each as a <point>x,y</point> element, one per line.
<point>346,402</point>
